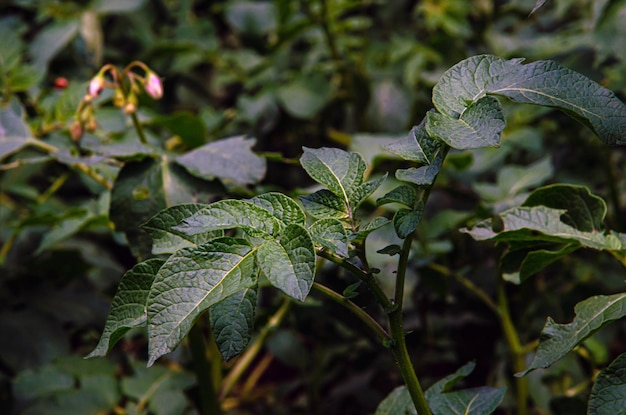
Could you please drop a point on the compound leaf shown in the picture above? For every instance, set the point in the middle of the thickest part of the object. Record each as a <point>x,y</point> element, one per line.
<point>417,146</point>
<point>556,340</point>
<point>330,233</point>
<point>282,207</point>
<point>191,281</point>
<point>232,321</point>
<point>544,83</point>
<point>128,308</point>
<point>325,204</point>
<point>289,264</point>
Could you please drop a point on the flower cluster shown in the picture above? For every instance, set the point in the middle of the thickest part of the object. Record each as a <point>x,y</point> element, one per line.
<point>126,85</point>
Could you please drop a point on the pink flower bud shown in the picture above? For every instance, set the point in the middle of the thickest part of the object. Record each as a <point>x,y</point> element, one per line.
<point>76,130</point>
<point>96,85</point>
<point>153,85</point>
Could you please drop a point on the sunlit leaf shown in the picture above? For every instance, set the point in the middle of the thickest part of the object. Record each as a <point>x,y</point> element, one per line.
<point>191,281</point>
<point>325,204</point>
<point>417,145</point>
<point>282,207</point>
<point>330,233</point>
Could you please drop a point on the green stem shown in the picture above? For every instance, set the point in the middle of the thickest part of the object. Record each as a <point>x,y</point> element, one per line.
<point>209,404</point>
<point>367,278</point>
<point>516,348</point>
<point>246,359</point>
<point>139,128</point>
<point>56,185</point>
<point>380,332</point>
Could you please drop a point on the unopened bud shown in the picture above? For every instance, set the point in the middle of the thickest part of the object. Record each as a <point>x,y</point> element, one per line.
<point>76,130</point>
<point>118,98</point>
<point>153,85</point>
<point>96,85</point>
<point>131,103</point>
<point>91,125</point>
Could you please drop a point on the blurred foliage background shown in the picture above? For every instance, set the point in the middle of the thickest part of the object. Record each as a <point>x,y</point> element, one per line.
<point>289,73</point>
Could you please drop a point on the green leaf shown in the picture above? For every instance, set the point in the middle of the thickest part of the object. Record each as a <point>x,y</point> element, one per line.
<point>608,396</point>
<point>12,124</point>
<point>585,211</point>
<point>422,176</point>
<point>231,214</point>
<point>191,281</point>
<point>229,159</point>
<point>474,401</point>
<point>144,188</point>
<point>166,239</point>
<point>405,221</point>
<point>556,340</point>
<point>537,6</point>
<point>10,145</point>
<point>306,96</point>
<point>251,18</point>
<point>417,146</point>
<point>398,402</point>
<point>324,204</point>
<point>404,194</point>
<point>128,308</point>
<point>282,207</point>
<point>341,172</point>
<point>51,40</point>
<point>520,265</point>
<point>189,127</point>
<point>232,321</point>
<point>289,265</point>
<point>117,6</point>
<point>330,233</point>
<point>364,191</point>
<point>479,125</point>
<point>542,83</point>
<point>375,224</point>
<point>540,223</point>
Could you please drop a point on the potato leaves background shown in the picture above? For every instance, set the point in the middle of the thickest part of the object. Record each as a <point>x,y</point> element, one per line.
<point>247,85</point>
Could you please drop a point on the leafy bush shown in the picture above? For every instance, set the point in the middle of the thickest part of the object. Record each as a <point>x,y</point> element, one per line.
<point>184,173</point>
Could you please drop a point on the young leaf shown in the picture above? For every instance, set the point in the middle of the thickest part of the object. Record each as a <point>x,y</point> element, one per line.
<point>405,221</point>
<point>166,239</point>
<point>556,340</point>
<point>289,264</point>
<point>608,396</point>
<point>542,83</point>
<point>324,204</point>
<point>480,125</point>
<point>363,191</point>
<point>417,146</point>
<point>232,321</point>
<point>330,233</point>
<point>128,308</point>
<point>230,214</point>
<point>227,159</point>
<point>191,281</point>
<point>281,207</point>
<point>422,176</point>
<point>404,194</point>
<point>341,172</point>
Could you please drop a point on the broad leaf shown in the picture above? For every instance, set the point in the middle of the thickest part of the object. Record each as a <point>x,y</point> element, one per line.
<point>232,321</point>
<point>556,340</point>
<point>480,125</point>
<point>289,265</point>
<point>422,176</point>
<point>341,172</point>
<point>330,233</point>
<point>375,224</point>
<point>543,83</point>
<point>325,204</point>
<point>417,146</point>
<point>475,401</point>
<point>364,191</point>
<point>608,396</point>
<point>585,211</point>
<point>229,159</point>
<point>10,145</point>
<point>51,40</point>
<point>230,214</point>
<point>166,239</point>
<point>519,265</point>
<point>281,207</point>
<point>191,281</point>
<point>305,97</point>
<point>540,223</point>
<point>12,124</point>
<point>128,308</point>
<point>405,221</point>
<point>144,188</point>
<point>404,194</point>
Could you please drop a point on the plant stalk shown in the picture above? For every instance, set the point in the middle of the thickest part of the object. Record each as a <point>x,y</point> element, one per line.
<point>207,397</point>
<point>138,128</point>
<point>516,348</point>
